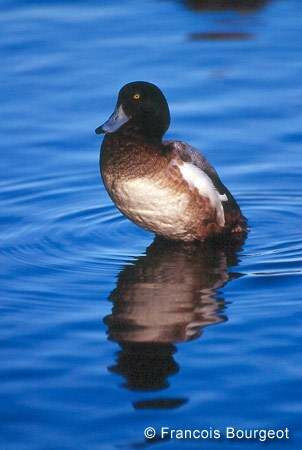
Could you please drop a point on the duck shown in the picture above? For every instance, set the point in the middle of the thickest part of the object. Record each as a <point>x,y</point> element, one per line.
<point>167,187</point>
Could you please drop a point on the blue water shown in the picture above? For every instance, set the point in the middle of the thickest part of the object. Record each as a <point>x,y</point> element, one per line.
<point>100,336</point>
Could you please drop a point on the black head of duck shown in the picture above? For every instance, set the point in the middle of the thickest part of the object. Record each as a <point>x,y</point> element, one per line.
<point>167,187</point>
<point>143,107</point>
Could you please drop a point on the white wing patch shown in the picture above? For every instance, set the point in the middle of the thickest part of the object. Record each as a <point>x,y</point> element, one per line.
<point>198,179</point>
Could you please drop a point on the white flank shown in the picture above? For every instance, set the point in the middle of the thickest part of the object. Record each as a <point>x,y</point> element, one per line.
<point>198,179</point>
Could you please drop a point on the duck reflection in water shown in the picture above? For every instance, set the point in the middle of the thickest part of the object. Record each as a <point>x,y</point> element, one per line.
<point>228,29</point>
<point>166,297</point>
<point>222,5</point>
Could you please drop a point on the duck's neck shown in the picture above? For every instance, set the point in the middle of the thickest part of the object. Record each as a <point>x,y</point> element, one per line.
<point>139,132</point>
<point>128,151</point>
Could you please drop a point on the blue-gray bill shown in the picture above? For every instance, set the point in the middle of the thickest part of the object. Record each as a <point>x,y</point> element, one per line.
<point>115,121</point>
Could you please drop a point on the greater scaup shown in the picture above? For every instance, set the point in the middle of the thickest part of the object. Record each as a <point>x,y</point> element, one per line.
<point>166,187</point>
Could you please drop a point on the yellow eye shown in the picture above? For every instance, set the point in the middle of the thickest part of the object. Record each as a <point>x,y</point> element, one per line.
<point>136,96</point>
